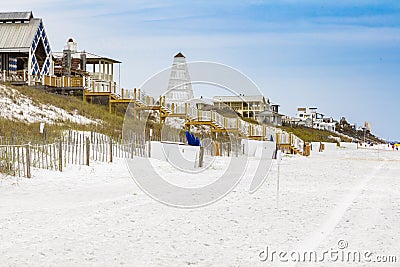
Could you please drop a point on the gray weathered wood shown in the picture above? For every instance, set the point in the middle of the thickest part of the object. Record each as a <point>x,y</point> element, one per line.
<point>87,150</point>
<point>201,156</point>
<point>28,161</point>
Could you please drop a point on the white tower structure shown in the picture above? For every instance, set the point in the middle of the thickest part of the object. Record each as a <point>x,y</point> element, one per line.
<point>179,85</point>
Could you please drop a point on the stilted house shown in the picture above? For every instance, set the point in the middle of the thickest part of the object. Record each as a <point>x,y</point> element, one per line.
<point>98,72</point>
<point>246,106</point>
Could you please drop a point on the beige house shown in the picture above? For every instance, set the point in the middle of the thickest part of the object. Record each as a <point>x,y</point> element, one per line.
<point>246,106</point>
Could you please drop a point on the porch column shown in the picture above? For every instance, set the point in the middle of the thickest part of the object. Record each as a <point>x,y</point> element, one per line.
<point>112,72</point>
<point>29,67</point>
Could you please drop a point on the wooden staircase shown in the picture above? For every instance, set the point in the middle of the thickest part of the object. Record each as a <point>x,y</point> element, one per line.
<point>292,149</point>
<point>193,116</point>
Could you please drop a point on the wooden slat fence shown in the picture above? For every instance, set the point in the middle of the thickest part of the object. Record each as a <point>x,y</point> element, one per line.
<point>82,148</point>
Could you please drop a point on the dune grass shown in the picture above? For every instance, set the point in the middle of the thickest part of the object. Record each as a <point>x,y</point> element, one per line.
<point>110,124</point>
<point>313,135</point>
<point>107,123</point>
<point>18,131</point>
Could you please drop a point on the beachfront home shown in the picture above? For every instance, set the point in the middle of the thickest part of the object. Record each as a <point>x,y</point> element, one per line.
<point>309,113</point>
<point>25,52</point>
<point>95,72</point>
<point>310,117</point>
<point>246,106</point>
<point>256,107</point>
<point>270,116</point>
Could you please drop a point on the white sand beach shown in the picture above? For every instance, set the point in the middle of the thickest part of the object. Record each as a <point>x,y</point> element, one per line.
<point>96,215</point>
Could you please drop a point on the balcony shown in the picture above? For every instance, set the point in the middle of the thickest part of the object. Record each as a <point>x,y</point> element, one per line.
<point>101,76</point>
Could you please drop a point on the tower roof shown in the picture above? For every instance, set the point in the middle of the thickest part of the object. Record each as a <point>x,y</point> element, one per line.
<point>179,55</point>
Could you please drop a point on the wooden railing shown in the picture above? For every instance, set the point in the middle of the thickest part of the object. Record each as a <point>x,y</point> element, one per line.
<point>193,114</point>
<point>101,76</point>
<point>13,76</point>
<point>285,138</point>
<point>63,81</point>
<point>52,81</point>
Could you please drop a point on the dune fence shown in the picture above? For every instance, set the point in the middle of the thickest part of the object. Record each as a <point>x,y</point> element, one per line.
<point>75,148</point>
<point>82,148</point>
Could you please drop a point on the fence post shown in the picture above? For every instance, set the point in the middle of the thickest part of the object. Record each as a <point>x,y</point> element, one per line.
<point>60,163</point>
<point>28,161</point>
<point>87,150</point>
<point>237,147</point>
<point>111,150</point>
<point>201,156</point>
<point>149,148</point>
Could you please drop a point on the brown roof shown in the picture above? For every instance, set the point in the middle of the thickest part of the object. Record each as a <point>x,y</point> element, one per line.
<point>179,55</point>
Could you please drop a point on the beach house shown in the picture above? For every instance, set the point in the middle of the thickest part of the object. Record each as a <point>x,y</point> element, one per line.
<point>25,52</point>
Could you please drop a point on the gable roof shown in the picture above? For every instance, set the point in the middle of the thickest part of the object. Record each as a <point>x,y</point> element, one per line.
<point>15,16</point>
<point>18,37</point>
<point>179,55</point>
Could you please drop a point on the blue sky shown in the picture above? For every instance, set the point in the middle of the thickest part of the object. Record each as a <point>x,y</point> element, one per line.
<point>341,56</point>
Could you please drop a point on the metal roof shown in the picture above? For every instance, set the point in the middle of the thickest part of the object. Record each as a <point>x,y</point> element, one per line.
<point>15,16</point>
<point>90,57</point>
<point>239,98</point>
<point>18,37</point>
